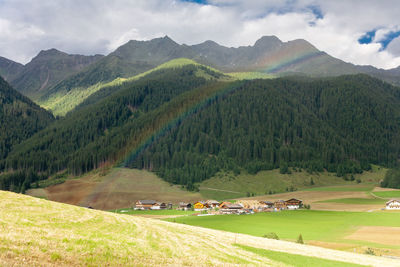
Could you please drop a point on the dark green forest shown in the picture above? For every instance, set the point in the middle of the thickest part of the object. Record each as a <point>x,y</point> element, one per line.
<point>95,134</point>
<point>20,118</point>
<point>340,124</point>
<point>392,178</point>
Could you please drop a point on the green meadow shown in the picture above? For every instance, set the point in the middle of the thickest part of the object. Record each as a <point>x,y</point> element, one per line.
<point>363,201</point>
<point>328,226</point>
<point>296,260</point>
<point>225,185</point>
<point>342,188</point>
<point>388,194</point>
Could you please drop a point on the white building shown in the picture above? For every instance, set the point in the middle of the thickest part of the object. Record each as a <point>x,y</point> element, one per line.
<point>393,204</point>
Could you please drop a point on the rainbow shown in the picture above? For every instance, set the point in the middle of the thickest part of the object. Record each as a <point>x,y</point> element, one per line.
<point>272,63</point>
<point>225,89</point>
<point>286,57</point>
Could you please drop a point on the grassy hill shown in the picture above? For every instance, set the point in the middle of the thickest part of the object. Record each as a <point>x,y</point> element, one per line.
<point>39,232</point>
<point>117,189</point>
<point>225,185</point>
<point>60,103</point>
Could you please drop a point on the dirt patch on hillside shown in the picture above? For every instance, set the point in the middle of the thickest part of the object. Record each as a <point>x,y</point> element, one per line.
<point>118,189</point>
<point>377,234</point>
<point>70,192</point>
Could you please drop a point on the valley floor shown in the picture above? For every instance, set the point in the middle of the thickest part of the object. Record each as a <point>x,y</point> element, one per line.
<point>37,232</point>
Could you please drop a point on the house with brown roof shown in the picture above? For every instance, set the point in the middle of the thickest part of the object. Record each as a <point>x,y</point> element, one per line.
<point>393,204</point>
<point>230,208</point>
<point>145,204</point>
<point>293,204</point>
<point>184,206</point>
<point>159,206</point>
<point>212,203</point>
<point>280,205</point>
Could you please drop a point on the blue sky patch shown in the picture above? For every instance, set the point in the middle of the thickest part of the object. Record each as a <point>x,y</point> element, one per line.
<point>316,10</point>
<point>201,2</point>
<point>367,38</point>
<point>388,38</point>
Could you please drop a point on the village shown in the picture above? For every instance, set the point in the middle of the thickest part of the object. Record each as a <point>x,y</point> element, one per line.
<point>213,207</point>
<point>239,207</point>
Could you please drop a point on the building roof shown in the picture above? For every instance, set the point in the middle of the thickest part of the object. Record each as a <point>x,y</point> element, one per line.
<point>212,202</point>
<point>147,202</point>
<point>267,202</point>
<point>392,200</point>
<point>234,206</point>
<point>184,204</point>
<point>294,199</point>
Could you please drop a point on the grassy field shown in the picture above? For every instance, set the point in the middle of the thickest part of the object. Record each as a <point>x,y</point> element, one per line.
<point>329,227</point>
<point>363,201</point>
<point>267,182</point>
<point>37,232</point>
<point>297,260</point>
<point>354,188</point>
<point>388,194</point>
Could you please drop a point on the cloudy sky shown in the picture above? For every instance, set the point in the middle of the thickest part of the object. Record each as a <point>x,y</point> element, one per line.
<point>357,31</point>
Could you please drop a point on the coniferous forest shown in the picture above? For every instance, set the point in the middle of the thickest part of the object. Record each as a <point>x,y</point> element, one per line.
<point>340,124</point>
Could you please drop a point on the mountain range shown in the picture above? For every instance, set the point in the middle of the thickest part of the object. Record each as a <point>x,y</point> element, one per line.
<point>182,112</point>
<point>54,73</point>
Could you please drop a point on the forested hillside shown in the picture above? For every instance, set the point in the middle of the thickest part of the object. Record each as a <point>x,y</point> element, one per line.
<point>20,118</point>
<point>186,128</point>
<point>97,133</point>
<point>341,125</point>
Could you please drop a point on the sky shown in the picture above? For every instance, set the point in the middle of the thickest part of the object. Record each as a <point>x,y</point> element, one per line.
<point>364,32</point>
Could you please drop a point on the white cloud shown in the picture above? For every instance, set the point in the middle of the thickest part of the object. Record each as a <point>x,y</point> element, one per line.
<point>100,26</point>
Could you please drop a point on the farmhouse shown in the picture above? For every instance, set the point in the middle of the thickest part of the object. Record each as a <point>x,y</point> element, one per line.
<point>280,205</point>
<point>200,205</point>
<point>255,205</point>
<point>159,206</point>
<point>293,204</point>
<point>229,208</point>
<point>267,204</point>
<point>184,206</point>
<point>145,204</point>
<point>393,204</point>
<point>212,203</point>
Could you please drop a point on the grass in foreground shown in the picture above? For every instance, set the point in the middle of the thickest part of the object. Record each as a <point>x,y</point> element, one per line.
<point>37,232</point>
<point>296,260</point>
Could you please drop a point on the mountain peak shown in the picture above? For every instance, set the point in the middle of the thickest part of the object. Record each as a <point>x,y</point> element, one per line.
<point>50,52</point>
<point>268,42</point>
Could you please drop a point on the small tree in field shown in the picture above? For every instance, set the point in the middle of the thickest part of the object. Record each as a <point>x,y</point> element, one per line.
<point>271,235</point>
<point>300,239</point>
